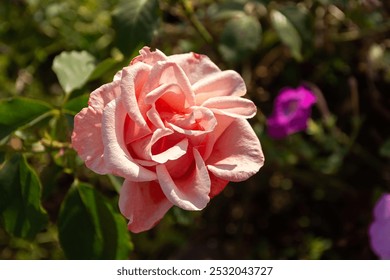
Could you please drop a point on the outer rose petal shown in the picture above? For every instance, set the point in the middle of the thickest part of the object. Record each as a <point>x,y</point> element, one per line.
<point>195,66</point>
<point>189,192</point>
<point>237,154</point>
<point>87,139</point>
<point>232,106</point>
<point>148,57</point>
<point>87,133</point>
<point>223,122</point>
<point>224,83</point>
<point>118,160</point>
<point>143,204</point>
<point>100,97</point>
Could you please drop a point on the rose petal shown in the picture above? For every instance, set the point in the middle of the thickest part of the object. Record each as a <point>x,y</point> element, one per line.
<point>223,122</point>
<point>154,117</point>
<point>167,73</point>
<point>118,159</point>
<point>237,154</point>
<point>233,106</point>
<point>171,94</point>
<point>133,132</point>
<point>171,153</point>
<point>200,121</point>
<point>179,167</point>
<point>87,133</point>
<point>100,97</point>
<point>159,147</point>
<point>131,84</point>
<point>87,139</point>
<point>143,204</point>
<point>195,66</point>
<point>224,83</point>
<point>217,185</point>
<point>148,57</point>
<point>189,192</point>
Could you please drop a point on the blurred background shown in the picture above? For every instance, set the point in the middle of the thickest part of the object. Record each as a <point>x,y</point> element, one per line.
<point>313,198</point>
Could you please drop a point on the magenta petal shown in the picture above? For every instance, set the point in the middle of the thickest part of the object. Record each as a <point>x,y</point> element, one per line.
<point>292,109</point>
<point>143,204</point>
<point>190,192</point>
<point>380,228</point>
<point>380,238</point>
<point>382,208</point>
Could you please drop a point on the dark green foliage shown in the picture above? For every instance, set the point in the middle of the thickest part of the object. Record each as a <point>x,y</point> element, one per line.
<point>21,211</point>
<point>90,228</point>
<point>135,22</point>
<point>18,112</point>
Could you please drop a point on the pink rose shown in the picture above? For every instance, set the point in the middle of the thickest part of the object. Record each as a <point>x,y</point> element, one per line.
<point>174,127</point>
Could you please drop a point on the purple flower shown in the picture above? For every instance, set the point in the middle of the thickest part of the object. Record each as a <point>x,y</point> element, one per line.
<point>380,228</point>
<point>292,109</point>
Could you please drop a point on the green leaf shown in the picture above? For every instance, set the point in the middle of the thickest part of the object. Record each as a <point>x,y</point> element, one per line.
<point>385,149</point>
<point>76,104</point>
<point>287,33</point>
<point>18,112</point>
<point>89,228</point>
<point>135,22</point>
<point>300,19</point>
<point>73,69</point>
<point>20,199</point>
<point>2,157</point>
<point>116,182</point>
<point>103,67</point>
<point>240,37</point>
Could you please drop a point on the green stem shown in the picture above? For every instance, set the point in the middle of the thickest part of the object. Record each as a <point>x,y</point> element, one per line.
<point>206,36</point>
<point>357,34</point>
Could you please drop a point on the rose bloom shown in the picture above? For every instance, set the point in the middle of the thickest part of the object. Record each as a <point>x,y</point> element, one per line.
<point>379,231</point>
<point>292,109</point>
<point>174,127</point>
